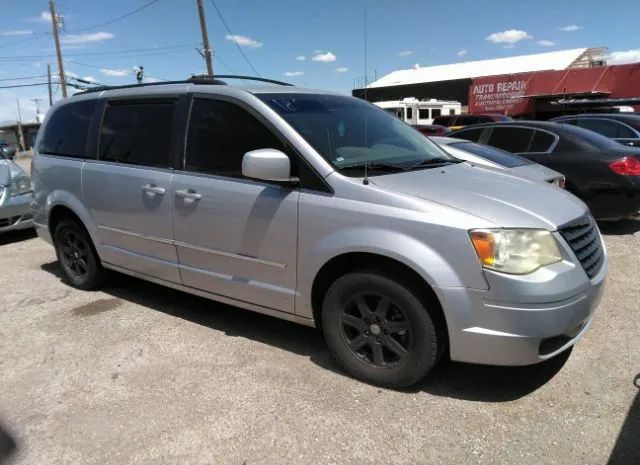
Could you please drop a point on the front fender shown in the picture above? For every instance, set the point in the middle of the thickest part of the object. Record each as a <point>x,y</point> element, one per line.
<point>408,250</point>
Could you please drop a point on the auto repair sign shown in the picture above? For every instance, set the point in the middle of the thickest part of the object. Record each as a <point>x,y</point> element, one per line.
<point>499,94</point>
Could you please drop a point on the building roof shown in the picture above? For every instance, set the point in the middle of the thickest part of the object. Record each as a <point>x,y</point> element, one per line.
<point>509,65</point>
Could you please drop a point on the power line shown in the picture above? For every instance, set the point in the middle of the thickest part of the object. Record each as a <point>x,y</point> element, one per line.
<point>23,78</point>
<point>130,73</point>
<point>114,52</point>
<point>25,85</point>
<point>111,21</point>
<point>234,38</point>
<point>35,36</point>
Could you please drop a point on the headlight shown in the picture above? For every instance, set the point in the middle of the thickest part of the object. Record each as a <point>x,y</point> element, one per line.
<point>20,185</point>
<point>515,251</point>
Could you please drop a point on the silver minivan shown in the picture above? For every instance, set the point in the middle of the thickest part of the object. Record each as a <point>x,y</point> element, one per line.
<point>321,209</point>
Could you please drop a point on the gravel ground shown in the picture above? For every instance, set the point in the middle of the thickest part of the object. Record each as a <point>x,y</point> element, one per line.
<point>141,374</point>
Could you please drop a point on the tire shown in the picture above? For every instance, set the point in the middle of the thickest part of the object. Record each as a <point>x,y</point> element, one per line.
<point>379,331</point>
<point>77,256</point>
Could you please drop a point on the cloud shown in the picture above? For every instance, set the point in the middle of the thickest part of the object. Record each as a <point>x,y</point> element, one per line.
<point>78,39</point>
<point>570,28</point>
<point>462,53</point>
<point>327,57</point>
<point>510,36</point>
<point>405,53</point>
<point>301,58</point>
<point>115,72</point>
<point>89,79</point>
<point>342,69</point>
<point>546,43</point>
<point>293,73</point>
<point>151,79</point>
<point>71,74</point>
<point>244,41</point>
<point>509,46</point>
<point>43,17</point>
<point>18,32</point>
<point>621,57</point>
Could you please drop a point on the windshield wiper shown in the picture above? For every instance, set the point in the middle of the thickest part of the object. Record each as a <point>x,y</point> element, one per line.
<point>375,166</point>
<point>435,162</point>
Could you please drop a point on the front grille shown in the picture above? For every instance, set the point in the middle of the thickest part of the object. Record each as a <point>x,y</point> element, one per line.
<point>583,238</point>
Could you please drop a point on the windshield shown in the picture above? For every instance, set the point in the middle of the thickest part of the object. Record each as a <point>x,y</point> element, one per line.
<point>349,132</point>
<point>506,159</point>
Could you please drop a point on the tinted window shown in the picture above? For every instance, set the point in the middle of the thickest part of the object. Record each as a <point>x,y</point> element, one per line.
<point>511,139</point>
<point>423,113</point>
<point>493,154</point>
<point>601,126</point>
<point>66,132</point>
<point>220,133</point>
<point>436,112</point>
<point>409,113</point>
<point>586,139</point>
<point>625,132</point>
<point>472,134</point>
<point>542,142</point>
<point>137,133</point>
<point>468,120</point>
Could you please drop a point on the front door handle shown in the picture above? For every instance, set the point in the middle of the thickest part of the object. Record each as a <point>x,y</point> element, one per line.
<point>153,189</point>
<point>189,194</point>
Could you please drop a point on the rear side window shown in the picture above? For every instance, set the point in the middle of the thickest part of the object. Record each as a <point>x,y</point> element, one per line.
<point>66,131</point>
<point>542,142</point>
<point>220,133</point>
<point>601,126</point>
<point>468,134</point>
<point>137,133</point>
<point>511,139</point>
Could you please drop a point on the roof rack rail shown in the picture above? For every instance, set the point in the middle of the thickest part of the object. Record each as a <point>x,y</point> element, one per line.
<point>194,79</point>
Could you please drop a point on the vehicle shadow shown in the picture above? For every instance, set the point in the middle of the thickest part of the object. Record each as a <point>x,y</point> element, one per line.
<point>619,228</point>
<point>11,237</point>
<point>448,379</point>
<point>627,447</point>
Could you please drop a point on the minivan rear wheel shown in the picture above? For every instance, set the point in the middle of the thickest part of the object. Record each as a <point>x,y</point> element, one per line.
<point>379,331</point>
<point>77,256</point>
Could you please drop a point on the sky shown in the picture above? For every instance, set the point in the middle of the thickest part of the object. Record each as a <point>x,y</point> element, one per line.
<point>316,44</point>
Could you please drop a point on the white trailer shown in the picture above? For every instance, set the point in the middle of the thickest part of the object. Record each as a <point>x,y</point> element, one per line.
<point>414,111</point>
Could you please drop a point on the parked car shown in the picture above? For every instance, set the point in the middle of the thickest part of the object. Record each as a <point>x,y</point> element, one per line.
<point>431,129</point>
<point>15,196</point>
<point>491,156</point>
<point>321,209</point>
<point>454,122</point>
<point>8,150</point>
<point>621,127</point>
<point>603,173</point>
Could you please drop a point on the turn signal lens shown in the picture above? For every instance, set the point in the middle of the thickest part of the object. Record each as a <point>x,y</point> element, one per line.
<point>627,166</point>
<point>515,251</point>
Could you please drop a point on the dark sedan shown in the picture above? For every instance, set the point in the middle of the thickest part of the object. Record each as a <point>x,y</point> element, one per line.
<point>621,127</point>
<point>431,129</point>
<point>600,171</point>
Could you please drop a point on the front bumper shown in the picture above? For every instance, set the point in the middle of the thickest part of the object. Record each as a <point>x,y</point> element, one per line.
<point>15,212</point>
<point>522,320</point>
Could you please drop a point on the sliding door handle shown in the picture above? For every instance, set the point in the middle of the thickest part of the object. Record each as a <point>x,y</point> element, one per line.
<point>153,189</point>
<point>189,194</point>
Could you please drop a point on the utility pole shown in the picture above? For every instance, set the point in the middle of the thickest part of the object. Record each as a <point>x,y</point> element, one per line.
<point>37,102</point>
<point>56,40</point>
<point>205,38</point>
<point>49,84</point>
<point>20,132</point>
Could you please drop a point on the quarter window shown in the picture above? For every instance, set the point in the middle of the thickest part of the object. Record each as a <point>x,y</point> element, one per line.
<point>220,133</point>
<point>601,126</point>
<point>66,133</point>
<point>542,142</point>
<point>137,133</point>
<point>514,140</point>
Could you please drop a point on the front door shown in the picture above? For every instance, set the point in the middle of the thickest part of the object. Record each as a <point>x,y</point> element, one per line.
<point>127,190</point>
<point>235,237</point>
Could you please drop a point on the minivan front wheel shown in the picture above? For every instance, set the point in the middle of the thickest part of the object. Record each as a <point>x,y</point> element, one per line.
<point>378,330</point>
<point>76,255</point>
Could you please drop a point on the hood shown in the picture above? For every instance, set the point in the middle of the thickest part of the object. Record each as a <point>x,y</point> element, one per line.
<point>494,195</point>
<point>536,172</point>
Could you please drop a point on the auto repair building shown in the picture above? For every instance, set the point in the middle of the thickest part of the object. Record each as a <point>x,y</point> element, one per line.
<point>534,86</point>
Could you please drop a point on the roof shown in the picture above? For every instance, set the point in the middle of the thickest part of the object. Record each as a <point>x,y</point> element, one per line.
<point>470,69</point>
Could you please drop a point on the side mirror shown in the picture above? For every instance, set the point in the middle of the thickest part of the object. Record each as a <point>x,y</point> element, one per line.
<point>267,165</point>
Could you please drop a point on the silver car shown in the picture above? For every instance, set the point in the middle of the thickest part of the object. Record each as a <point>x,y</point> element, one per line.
<point>15,197</point>
<point>494,157</point>
<point>321,209</point>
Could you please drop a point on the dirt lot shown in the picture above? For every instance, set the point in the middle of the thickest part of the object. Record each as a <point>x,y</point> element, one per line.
<point>142,374</point>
